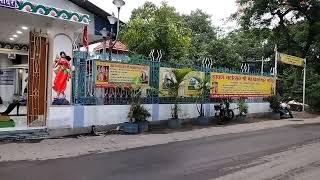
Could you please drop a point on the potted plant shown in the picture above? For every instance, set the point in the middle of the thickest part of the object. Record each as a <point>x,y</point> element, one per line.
<point>171,86</point>
<point>243,109</point>
<point>274,101</point>
<point>202,88</point>
<point>138,114</point>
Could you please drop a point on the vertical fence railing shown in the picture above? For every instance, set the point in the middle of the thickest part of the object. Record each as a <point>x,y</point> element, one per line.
<point>78,77</point>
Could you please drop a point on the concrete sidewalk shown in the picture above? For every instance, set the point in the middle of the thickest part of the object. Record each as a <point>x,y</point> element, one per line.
<point>70,147</point>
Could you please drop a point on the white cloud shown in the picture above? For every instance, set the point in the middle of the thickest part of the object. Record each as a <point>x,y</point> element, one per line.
<point>220,10</point>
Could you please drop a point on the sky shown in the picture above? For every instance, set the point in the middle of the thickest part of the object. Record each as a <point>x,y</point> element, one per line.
<point>220,10</point>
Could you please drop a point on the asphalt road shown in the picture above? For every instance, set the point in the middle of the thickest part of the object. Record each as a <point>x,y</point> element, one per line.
<point>206,158</point>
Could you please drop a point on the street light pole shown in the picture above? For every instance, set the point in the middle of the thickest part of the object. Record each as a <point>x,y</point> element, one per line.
<point>104,34</point>
<point>108,35</point>
<point>118,4</point>
<point>110,44</point>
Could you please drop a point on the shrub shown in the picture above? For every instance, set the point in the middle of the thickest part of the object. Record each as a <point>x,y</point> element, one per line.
<point>139,113</point>
<point>243,107</point>
<point>313,96</point>
<point>274,101</point>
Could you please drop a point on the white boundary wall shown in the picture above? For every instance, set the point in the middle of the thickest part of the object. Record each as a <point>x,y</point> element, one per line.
<point>85,116</point>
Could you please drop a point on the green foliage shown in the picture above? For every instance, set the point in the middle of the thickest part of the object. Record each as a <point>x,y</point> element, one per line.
<point>172,87</point>
<point>243,107</point>
<point>224,54</point>
<point>313,96</point>
<point>152,27</point>
<point>274,103</point>
<point>203,32</point>
<point>313,90</point>
<point>203,88</point>
<point>251,44</point>
<point>137,111</point>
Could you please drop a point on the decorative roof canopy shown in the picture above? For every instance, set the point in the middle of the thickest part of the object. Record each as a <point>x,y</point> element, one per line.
<point>52,12</point>
<point>22,47</point>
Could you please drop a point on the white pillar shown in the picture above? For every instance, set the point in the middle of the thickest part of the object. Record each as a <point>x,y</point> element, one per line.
<point>262,66</point>
<point>275,70</point>
<point>104,48</point>
<point>304,84</point>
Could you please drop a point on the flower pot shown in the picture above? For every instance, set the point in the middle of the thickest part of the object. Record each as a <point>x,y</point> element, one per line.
<point>242,118</point>
<point>7,124</point>
<point>203,121</point>
<point>143,126</point>
<point>131,128</point>
<point>174,123</point>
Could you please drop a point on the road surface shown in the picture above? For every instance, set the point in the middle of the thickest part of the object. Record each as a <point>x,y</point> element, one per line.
<point>290,152</point>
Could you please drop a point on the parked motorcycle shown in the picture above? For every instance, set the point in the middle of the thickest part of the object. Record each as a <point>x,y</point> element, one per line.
<point>285,111</point>
<point>223,113</point>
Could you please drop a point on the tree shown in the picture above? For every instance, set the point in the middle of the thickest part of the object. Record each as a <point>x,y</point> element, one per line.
<point>265,13</point>
<point>202,89</point>
<point>151,27</point>
<point>173,85</point>
<point>251,44</point>
<point>223,54</point>
<point>203,32</point>
<point>295,26</point>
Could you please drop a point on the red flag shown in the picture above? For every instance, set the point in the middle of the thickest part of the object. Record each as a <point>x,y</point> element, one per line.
<point>85,38</point>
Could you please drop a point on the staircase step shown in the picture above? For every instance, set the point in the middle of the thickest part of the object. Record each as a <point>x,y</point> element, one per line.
<point>22,135</point>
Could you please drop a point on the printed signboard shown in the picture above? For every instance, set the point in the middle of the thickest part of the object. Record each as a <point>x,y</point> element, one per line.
<point>109,74</point>
<point>293,60</point>
<point>238,85</point>
<point>12,4</point>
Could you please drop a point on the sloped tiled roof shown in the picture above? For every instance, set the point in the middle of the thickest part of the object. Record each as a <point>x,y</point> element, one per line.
<point>119,46</point>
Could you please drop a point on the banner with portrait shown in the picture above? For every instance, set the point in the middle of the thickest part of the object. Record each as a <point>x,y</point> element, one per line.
<point>109,74</point>
<point>165,75</point>
<point>192,82</point>
<point>188,87</point>
<point>238,85</point>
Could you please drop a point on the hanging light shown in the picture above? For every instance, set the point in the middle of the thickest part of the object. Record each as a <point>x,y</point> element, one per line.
<point>112,19</point>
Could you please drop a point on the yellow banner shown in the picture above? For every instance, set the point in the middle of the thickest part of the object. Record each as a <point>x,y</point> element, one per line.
<point>237,85</point>
<point>109,74</point>
<point>293,60</point>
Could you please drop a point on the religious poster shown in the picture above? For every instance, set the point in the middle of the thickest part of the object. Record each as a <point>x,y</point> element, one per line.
<point>188,87</point>
<point>109,74</point>
<point>61,67</point>
<point>62,72</point>
<point>6,76</point>
<point>238,85</point>
<point>192,83</point>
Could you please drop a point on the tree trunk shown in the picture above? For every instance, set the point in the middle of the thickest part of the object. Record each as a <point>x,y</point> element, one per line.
<point>201,110</point>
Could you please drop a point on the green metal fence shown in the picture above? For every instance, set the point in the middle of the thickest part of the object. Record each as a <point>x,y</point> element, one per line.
<point>85,92</point>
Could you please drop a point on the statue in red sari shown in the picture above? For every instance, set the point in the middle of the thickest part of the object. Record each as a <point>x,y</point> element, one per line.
<point>62,68</point>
